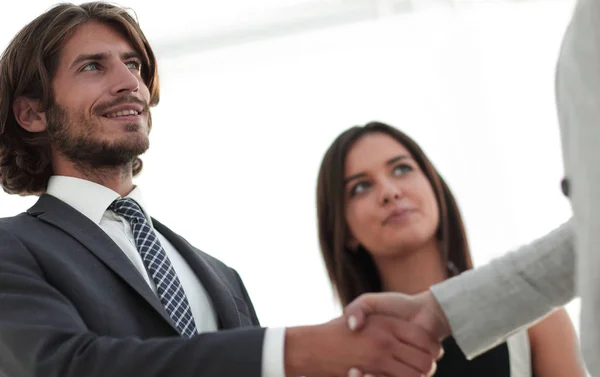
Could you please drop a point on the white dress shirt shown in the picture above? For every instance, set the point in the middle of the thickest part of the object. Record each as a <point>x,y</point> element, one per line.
<point>93,200</point>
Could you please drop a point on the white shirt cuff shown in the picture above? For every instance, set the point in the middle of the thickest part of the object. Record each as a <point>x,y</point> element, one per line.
<point>273,349</point>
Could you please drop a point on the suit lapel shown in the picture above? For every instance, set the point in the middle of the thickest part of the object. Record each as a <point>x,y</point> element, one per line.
<point>217,289</point>
<point>59,214</point>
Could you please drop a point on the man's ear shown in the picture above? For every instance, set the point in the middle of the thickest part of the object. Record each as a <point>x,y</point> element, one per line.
<point>28,115</point>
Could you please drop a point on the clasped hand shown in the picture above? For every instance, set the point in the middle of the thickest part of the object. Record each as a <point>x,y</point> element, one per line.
<point>403,334</point>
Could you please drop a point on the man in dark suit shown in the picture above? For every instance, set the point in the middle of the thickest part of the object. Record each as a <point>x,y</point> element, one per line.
<point>90,284</point>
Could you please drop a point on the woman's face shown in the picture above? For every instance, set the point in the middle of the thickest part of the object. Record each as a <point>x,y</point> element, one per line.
<point>391,208</point>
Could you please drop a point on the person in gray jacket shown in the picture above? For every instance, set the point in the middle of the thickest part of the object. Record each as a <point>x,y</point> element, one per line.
<point>480,308</point>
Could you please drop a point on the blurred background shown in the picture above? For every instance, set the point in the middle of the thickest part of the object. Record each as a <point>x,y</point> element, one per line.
<point>254,91</point>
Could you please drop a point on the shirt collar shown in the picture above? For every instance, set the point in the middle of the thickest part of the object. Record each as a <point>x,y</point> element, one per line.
<point>89,198</point>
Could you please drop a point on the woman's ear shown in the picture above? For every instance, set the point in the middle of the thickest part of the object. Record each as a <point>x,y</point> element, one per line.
<point>28,115</point>
<point>352,244</point>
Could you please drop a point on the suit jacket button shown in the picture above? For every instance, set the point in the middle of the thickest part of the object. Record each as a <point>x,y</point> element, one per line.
<point>564,185</point>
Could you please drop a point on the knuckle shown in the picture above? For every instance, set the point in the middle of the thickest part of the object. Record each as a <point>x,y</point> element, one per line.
<point>365,298</point>
<point>383,344</point>
<point>416,336</point>
<point>378,351</point>
<point>402,370</point>
<point>424,363</point>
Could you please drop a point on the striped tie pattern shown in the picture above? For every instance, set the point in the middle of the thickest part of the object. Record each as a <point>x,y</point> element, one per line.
<point>158,265</point>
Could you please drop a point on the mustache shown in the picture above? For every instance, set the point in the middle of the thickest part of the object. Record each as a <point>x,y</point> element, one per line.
<point>103,107</point>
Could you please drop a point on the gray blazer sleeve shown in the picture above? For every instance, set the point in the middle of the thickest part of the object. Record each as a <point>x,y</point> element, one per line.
<point>486,305</point>
<point>578,104</point>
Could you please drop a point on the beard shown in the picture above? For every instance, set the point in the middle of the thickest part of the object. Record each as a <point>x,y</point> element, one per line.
<point>73,136</point>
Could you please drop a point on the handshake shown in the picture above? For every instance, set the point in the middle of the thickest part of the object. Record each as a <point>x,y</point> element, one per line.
<point>380,334</point>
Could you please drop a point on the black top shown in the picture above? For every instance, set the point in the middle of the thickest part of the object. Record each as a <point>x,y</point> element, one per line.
<point>493,363</point>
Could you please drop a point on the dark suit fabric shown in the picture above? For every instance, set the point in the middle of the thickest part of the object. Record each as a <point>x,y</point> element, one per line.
<point>73,305</point>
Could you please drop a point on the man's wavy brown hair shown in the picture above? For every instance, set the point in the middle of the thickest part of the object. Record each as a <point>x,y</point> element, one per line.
<point>27,67</point>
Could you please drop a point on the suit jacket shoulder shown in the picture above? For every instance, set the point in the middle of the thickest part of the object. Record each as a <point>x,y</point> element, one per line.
<point>73,305</point>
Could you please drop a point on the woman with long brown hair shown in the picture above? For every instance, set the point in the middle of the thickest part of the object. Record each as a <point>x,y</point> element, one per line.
<point>387,221</point>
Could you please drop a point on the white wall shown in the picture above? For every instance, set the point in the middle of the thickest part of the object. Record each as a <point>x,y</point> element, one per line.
<point>239,134</point>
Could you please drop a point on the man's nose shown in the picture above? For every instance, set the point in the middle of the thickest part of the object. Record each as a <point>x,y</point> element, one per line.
<point>124,80</point>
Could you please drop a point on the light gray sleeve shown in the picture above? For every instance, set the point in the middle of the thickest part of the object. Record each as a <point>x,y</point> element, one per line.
<point>486,305</point>
<point>578,104</point>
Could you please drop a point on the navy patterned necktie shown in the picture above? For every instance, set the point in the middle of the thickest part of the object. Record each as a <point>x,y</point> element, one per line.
<point>170,290</point>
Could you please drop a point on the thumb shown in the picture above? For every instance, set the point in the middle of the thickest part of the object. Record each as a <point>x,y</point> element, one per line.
<point>356,314</point>
<point>393,304</point>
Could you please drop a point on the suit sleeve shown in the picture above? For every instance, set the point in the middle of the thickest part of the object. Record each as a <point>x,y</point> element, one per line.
<point>486,305</point>
<point>42,335</point>
<point>578,104</point>
<point>274,340</point>
<point>246,298</point>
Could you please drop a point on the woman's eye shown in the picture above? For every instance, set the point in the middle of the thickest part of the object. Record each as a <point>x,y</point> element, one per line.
<point>402,169</point>
<point>358,188</point>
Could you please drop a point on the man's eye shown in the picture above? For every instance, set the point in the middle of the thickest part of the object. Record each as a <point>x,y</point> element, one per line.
<point>134,65</point>
<point>90,67</point>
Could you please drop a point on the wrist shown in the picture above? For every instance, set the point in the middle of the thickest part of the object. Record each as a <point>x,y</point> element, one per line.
<point>298,356</point>
<point>431,304</point>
